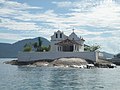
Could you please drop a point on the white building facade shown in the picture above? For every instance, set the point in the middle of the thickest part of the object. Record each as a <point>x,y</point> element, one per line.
<point>62,43</point>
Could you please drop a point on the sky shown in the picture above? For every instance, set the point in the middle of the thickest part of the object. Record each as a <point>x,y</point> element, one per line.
<point>97,21</point>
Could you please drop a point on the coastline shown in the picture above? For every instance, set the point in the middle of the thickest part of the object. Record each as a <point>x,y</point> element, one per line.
<point>65,62</point>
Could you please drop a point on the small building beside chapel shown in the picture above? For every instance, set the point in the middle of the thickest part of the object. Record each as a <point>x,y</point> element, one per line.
<point>62,43</point>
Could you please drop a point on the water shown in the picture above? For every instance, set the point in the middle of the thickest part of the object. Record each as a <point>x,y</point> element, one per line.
<point>51,78</point>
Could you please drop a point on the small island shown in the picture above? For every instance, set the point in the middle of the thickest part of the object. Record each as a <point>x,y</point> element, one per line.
<point>64,51</point>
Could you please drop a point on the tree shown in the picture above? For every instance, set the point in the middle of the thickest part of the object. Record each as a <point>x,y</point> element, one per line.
<point>86,48</point>
<point>39,41</point>
<point>27,49</point>
<point>94,47</point>
<point>44,48</point>
<point>37,45</point>
<point>91,48</point>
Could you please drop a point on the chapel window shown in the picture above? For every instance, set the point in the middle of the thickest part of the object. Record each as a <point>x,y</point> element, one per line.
<point>60,35</point>
<point>56,35</point>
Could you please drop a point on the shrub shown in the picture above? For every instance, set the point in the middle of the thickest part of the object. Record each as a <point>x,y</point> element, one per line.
<point>27,49</point>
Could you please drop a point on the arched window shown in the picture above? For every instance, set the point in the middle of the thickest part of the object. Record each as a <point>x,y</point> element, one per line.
<point>56,35</point>
<point>60,35</point>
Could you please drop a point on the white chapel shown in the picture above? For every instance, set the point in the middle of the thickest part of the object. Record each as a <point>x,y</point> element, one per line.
<point>62,43</point>
<point>62,46</point>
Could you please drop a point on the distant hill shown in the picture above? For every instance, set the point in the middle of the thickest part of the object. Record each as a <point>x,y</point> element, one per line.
<point>107,55</point>
<point>11,50</point>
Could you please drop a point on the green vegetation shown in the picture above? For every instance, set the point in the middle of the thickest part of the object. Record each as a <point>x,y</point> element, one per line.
<point>91,48</point>
<point>43,48</point>
<point>27,48</point>
<point>37,46</point>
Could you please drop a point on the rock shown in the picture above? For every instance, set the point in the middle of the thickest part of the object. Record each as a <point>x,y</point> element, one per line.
<point>13,62</point>
<point>90,65</point>
<point>66,62</point>
<point>69,62</point>
<point>104,64</point>
<point>78,66</point>
<point>39,63</point>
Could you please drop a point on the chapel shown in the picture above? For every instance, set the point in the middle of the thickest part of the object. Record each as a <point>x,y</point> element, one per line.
<point>62,43</point>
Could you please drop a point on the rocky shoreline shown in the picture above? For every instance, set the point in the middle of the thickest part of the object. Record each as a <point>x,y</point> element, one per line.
<point>66,62</point>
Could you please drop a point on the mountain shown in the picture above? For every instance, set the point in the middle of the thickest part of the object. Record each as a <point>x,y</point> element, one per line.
<point>11,50</point>
<point>107,55</point>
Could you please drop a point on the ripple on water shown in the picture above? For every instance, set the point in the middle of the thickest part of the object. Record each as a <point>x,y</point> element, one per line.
<point>49,78</point>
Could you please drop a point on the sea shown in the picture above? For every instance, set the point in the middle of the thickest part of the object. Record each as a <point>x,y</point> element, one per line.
<point>14,77</point>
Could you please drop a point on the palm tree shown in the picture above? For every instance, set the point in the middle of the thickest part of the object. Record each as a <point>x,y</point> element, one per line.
<point>39,41</point>
<point>39,44</point>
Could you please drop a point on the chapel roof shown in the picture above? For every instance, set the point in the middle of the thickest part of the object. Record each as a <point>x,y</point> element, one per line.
<point>67,42</point>
<point>73,36</point>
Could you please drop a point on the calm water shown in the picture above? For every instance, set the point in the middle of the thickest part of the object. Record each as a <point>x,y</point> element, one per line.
<point>49,78</point>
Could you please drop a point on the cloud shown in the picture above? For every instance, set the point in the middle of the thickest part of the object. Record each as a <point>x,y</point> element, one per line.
<point>79,6</point>
<point>14,25</point>
<point>10,10</point>
<point>109,44</point>
<point>10,36</point>
<point>64,4</point>
<point>103,16</point>
<point>100,14</point>
<point>17,6</point>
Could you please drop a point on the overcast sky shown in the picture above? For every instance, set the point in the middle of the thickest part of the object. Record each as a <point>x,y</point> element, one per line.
<point>97,21</point>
